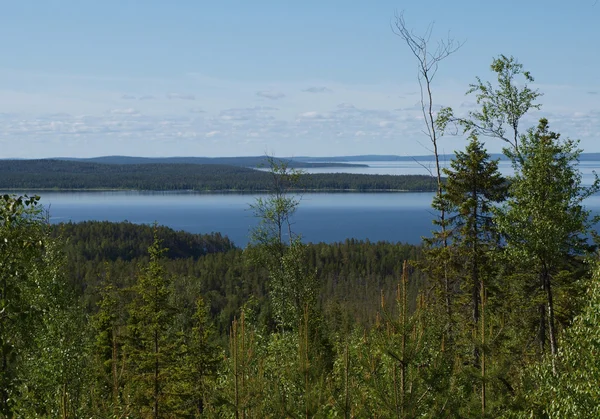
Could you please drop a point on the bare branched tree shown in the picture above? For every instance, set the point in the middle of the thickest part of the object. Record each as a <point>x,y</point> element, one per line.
<point>428,58</point>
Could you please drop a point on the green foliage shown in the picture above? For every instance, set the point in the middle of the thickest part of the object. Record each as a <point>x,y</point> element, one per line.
<point>197,376</point>
<point>544,218</point>
<point>53,382</point>
<point>107,241</point>
<point>292,285</point>
<point>276,211</point>
<point>22,240</point>
<point>573,392</point>
<point>107,354</point>
<point>240,389</point>
<point>42,330</point>
<point>398,368</point>
<point>473,187</point>
<point>544,221</point>
<point>504,105</point>
<point>153,347</point>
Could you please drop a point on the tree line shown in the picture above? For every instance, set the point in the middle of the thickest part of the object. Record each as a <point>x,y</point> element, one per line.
<point>242,161</point>
<point>76,175</point>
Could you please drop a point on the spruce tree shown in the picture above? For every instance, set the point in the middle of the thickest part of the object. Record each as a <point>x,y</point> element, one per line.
<point>473,187</point>
<point>107,352</point>
<point>153,349</point>
<point>544,221</point>
<point>198,373</point>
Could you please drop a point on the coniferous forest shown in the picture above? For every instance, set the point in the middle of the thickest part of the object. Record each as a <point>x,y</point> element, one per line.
<point>496,314</point>
<point>74,175</point>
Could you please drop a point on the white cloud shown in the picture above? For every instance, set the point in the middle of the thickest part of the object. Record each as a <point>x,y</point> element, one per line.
<point>212,134</point>
<point>181,96</point>
<point>85,119</point>
<point>247,114</point>
<point>317,89</point>
<point>127,111</point>
<point>346,105</point>
<point>269,94</point>
<point>310,114</point>
<point>59,115</point>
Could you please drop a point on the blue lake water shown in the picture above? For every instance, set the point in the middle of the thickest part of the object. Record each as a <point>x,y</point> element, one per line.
<point>321,217</point>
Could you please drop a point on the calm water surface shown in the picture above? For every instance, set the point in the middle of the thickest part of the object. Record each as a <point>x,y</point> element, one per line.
<point>321,217</point>
<point>326,217</point>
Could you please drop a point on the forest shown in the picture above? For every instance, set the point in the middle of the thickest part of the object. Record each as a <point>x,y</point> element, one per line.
<point>496,314</point>
<point>75,175</point>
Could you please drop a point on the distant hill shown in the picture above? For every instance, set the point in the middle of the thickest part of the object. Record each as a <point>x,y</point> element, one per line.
<point>294,162</point>
<point>255,161</point>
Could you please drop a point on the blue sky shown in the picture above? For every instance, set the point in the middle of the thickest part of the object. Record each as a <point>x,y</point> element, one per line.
<point>221,78</point>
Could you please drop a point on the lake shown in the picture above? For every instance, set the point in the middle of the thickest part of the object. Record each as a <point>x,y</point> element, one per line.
<point>321,217</point>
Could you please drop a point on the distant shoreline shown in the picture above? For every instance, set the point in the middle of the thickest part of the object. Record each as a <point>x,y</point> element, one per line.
<point>216,191</point>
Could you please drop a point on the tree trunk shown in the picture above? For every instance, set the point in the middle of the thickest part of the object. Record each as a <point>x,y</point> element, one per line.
<point>115,376</point>
<point>475,282</point>
<point>483,378</point>
<point>438,172</point>
<point>542,327</point>
<point>404,331</point>
<point>551,323</point>
<point>156,371</point>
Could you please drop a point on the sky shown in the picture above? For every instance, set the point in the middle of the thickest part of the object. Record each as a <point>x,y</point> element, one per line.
<point>83,78</point>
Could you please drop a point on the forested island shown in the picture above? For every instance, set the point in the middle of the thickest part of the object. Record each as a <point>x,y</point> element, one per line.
<point>242,161</point>
<point>75,175</point>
